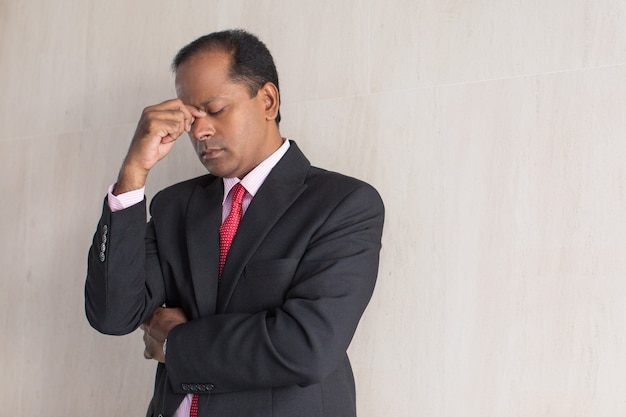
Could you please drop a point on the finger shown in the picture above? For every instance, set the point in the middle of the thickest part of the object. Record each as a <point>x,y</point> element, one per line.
<point>157,125</point>
<point>146,352</point>
<point>169,139</point>
<point>173,110</point>
<point>148,342</point>
<point>188,113</point>
<point>168,130</point>
<point>194,113</point>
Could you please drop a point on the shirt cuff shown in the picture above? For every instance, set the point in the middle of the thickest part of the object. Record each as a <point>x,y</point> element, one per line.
<point>124,200</point>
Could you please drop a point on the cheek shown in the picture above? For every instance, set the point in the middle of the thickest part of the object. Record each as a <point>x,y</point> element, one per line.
<point>242,130</point>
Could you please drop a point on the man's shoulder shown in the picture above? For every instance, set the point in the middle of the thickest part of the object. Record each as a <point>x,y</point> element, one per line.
<point>326,178</point>
<point>335,185</point>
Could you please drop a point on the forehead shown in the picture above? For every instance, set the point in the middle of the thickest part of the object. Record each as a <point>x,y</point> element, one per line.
<point>202,74</point>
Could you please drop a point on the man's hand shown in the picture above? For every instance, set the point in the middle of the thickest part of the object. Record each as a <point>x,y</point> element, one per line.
<point>156,329</point>
<point>158,128</point>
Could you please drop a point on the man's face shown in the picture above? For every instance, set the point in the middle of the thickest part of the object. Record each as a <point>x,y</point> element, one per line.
<point>234,137</point>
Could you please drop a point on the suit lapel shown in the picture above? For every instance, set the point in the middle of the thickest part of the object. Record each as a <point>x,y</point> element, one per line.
<point>281,188</point>
<point>204,216</point>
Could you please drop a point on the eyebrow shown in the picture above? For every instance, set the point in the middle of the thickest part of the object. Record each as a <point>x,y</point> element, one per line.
<point>209,101</point>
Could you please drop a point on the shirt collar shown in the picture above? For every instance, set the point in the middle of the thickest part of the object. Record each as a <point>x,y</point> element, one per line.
<point>255,178</point>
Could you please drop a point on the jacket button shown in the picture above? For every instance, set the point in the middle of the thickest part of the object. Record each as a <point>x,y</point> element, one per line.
<point>185,387</point>
<point>209,387</point>
<point>102,257</point>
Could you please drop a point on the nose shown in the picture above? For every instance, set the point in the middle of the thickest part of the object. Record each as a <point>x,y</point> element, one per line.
<point>202,128</point>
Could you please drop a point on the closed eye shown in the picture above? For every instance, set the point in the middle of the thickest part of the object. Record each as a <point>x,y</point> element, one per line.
<point>215,113</point>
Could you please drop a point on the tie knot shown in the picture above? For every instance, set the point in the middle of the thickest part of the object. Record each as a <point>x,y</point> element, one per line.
<point>238,192</point>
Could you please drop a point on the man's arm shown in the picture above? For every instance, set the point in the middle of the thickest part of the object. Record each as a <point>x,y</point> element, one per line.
<point>124,285</point>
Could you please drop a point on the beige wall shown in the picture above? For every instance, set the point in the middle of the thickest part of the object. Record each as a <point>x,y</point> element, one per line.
<point>494,130</point>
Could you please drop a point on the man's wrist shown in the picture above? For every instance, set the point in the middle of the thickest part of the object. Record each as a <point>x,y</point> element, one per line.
<point>123,186</point>
<point>130,179</point>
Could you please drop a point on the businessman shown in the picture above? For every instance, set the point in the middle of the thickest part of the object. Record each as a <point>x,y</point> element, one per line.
<point>248,282</point>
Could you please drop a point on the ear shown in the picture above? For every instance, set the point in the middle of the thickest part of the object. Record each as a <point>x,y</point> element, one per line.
<point>271,100</point>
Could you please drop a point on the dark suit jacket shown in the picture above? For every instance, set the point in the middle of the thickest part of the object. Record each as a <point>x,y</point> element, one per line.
<point>271,338</point>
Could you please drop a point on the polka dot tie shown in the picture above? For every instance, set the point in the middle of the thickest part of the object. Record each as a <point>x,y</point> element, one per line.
<point>193,411</point>
<point>227,233</point>
<point>230,225</point>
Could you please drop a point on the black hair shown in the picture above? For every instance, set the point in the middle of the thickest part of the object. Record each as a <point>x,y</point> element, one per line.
<point>251,63</point>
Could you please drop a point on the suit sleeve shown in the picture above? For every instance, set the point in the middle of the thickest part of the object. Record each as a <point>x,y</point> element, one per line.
<point>304,340</point>
<point>124,283</point>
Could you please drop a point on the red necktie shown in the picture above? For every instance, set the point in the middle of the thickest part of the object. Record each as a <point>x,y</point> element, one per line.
<point>230,225</point>
<point>193,410</point>
<point>227,233</point>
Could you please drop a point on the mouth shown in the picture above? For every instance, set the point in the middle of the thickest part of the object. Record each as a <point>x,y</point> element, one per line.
<point>210,153</point>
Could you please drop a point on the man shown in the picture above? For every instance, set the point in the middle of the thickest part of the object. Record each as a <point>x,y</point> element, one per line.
<point>257,325</point>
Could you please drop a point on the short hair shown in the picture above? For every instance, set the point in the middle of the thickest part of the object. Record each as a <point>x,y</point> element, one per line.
<point>251,63</point>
